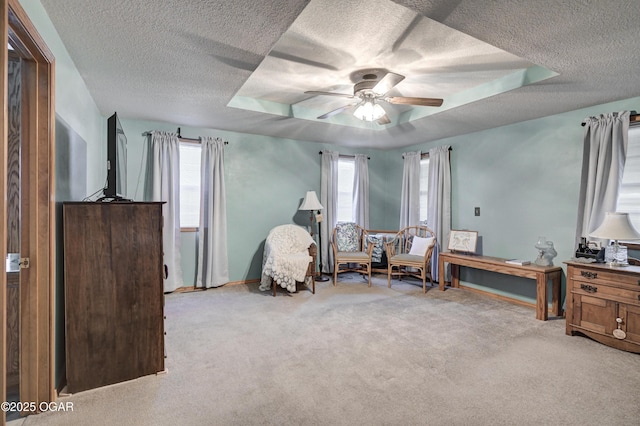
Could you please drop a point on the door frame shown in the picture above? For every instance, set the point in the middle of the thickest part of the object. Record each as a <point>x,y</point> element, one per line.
<point>37,283</point>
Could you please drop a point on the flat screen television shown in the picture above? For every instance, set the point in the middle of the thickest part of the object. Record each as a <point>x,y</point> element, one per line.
<point>116,187</point>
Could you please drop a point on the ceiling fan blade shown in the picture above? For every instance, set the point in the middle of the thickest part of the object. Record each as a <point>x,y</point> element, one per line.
<point>335,111</point>
<point>403,100</point>
<point>387,83</point>
<point>315,92</point>
<point>384,120</point>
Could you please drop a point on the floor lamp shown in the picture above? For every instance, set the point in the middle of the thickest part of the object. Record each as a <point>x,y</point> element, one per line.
<point>312,204</point>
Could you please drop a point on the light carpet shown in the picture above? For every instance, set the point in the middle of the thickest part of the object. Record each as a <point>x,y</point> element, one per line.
<point>353,355</point>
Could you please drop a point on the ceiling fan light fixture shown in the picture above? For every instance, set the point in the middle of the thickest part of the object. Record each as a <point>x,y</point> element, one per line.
<point>369,111</point>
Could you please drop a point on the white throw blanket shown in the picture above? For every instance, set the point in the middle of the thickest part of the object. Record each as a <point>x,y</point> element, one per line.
<point>286,257</point>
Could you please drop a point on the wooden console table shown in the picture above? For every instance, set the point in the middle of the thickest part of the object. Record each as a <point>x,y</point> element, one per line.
<point>494,264</point>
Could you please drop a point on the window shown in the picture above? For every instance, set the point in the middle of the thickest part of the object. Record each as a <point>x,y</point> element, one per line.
<point>424,188</point>
<point>346,175</point>
<point>189,184</point>
<point>629,195</point>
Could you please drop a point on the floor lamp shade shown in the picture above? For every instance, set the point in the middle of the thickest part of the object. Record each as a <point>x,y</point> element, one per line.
<point>311,202</point>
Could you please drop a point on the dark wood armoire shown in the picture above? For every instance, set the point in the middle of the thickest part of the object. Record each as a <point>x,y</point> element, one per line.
<point>114,300</point>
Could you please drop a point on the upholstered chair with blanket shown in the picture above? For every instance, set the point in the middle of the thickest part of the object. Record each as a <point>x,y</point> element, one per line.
<point>289,258</point>
<point>348,244</point>
<point>410,254</point>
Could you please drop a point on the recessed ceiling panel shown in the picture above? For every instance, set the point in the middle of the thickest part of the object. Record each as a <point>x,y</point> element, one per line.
<point>332,40</point>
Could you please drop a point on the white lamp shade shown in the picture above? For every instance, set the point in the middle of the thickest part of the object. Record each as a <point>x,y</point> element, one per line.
<point>616,226</point>
<point>311,202</point>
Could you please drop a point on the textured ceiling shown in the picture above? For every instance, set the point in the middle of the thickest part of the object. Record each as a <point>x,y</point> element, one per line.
<point>186,62</point>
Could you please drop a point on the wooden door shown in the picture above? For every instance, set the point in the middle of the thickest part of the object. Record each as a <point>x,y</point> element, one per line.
<point>37,230</point>
<point>14,191</point>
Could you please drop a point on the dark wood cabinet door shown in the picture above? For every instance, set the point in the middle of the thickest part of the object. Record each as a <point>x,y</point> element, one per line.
<point>113,292</point>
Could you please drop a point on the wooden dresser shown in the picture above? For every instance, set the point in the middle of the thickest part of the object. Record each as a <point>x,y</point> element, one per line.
<point>603,303</point>
<point>114,300</point>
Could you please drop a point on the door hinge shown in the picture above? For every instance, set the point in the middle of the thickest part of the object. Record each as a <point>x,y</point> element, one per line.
<point>24,263</point>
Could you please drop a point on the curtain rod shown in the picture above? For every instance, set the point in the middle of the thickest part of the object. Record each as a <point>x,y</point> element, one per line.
<point>426,154</point>
<point>347,155</point>
<point>181,137</point>
<point>634,119</point>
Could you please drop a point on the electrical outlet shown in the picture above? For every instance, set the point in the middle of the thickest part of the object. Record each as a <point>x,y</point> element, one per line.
<point>477,212</point>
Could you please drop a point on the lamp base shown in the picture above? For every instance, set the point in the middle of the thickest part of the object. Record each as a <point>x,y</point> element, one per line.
<point>616,255</point>
<point>321,278</point>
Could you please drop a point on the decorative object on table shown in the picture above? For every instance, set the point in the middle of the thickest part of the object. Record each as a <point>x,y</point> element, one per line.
<point>311,203</point>
<point>520,262</point>
<point>590,250</point>
<point>616,226</point>
<point>546,252</point>
<point>463,241</point>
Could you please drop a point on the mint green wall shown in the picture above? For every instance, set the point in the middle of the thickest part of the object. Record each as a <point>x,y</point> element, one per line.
<point>75,106</point>
<point>266,179</point>
<point>525,178</point>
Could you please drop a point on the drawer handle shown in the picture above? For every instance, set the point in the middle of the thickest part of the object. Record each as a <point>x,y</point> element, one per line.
<point>588,274</point>
<point>589,288</point>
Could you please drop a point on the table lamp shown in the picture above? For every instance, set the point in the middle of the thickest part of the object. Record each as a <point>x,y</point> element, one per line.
<point>616,226</point>
<point>311,204</point>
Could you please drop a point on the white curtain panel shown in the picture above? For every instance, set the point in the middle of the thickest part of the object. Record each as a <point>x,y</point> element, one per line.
<point>410,197</point>
<point>213,261</point>
<point>328,199</point>
<point>162,183</point>
<point>605,152</point>
<point>439,203</point>
<point>361,191</point>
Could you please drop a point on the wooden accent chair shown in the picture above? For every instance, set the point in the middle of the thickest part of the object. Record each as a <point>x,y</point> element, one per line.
<point>289,257</point>
<point>410,253</point>
<point>348,244</point>
<point>310,275</point>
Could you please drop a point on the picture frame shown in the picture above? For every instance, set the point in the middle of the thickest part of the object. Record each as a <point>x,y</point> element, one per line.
<point>463,241</point>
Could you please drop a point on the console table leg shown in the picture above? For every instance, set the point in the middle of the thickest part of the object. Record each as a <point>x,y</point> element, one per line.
<point>455,276</point>
<point>542,309</point>
<point>556,295</point>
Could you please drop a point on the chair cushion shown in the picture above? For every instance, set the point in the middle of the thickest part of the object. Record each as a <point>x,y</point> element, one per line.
<point>376,240</point>
<point>407,259</point>
<point>347,237</point>
<point>419,245</point>
<point>351,256</point>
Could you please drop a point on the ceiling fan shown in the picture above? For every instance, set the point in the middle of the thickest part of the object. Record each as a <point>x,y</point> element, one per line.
<point>369,91</point>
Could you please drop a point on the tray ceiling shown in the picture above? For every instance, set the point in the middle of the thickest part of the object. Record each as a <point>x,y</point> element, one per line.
<point>244,65</point>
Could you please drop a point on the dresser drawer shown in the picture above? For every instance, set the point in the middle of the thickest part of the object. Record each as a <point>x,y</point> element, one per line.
<point>601,276</point>
<point>607,291</point>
